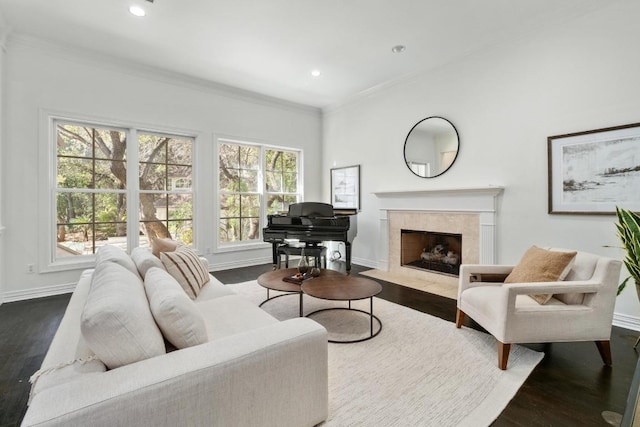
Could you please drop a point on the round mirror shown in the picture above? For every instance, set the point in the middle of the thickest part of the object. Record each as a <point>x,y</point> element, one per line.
<point>431,147</point>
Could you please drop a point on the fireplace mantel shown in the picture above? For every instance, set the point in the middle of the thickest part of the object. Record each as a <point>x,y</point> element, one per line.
<point>490,190</point>
<point>462,199</point>
<point>481,201</point>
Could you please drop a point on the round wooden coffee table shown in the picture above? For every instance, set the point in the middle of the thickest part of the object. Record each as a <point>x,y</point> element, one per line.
<point>272,280</point>
<point>345,288</point>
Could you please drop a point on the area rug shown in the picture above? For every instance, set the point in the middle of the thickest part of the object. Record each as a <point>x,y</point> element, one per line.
<point>419,371</point>
<point>441,289</point>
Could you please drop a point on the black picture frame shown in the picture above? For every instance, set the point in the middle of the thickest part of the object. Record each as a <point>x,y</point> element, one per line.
<point>345,187</point>
<point>592,172</point>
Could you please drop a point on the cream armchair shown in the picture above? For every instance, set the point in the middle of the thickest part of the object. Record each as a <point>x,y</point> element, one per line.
<point>581,308</point>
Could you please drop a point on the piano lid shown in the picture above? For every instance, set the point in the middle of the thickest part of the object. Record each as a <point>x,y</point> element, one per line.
<point>311,209</point>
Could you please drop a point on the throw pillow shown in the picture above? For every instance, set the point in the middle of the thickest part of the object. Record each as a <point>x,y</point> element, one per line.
<point>116,321</point>
<point>185,266</point>
<point>176,314</point>
<point>111,253</point>
<point>163,245</point>
<point>541,265</point>
<point>144,260</point>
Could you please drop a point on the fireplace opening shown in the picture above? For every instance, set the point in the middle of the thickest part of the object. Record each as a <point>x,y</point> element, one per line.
<point>432,251</point>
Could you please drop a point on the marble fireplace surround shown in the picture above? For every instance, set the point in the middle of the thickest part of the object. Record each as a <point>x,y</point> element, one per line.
<point>467,211</point>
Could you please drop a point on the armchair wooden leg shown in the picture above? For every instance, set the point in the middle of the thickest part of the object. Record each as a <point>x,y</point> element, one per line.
<point>503,355</point>
<point>604,348</point>
<point>459,318</point>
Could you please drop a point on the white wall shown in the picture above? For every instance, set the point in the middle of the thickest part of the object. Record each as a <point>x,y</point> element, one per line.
<point>504,102</point>
<point>40,78</point>
<point>3,33</point>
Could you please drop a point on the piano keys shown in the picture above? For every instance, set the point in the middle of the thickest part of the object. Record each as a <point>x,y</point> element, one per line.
<point>312,223</point>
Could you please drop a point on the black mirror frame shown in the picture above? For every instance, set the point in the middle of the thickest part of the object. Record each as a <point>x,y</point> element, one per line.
<point>404,149</point>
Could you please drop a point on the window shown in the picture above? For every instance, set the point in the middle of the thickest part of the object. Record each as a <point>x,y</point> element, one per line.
<point>92,188</point>
<point>254,181</point>
<point>166,198</point>
<point>91,200</point>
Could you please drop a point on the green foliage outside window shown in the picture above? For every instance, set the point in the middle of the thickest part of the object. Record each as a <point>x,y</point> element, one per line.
<point>241,168</point>
<point>91,187</point>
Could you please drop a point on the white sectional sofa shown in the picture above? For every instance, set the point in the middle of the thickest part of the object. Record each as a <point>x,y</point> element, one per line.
<point>252,370</point>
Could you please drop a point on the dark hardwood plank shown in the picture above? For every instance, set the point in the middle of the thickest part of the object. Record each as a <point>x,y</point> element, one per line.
<point>26,330</point>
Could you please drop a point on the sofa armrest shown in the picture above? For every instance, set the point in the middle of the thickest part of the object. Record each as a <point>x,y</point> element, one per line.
<point>272,376</point>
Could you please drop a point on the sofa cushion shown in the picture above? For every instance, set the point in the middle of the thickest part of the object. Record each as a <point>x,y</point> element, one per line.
<point>144,260</point>
<point>185,266</point>
<point>582,269</point>
<point>64,372</point>
<point>541,265</point>
<point>214,289</point>
<point>180,321</point>
<point>164,245</point>
<point>116,321</point>
<point>232,314</point>
<point>115,254</point>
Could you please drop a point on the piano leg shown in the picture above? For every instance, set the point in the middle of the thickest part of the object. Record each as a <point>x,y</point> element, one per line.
<point>347,246</point>
<point>274,254</point>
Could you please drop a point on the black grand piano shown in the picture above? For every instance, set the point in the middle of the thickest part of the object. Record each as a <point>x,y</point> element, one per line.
<point>312,223</point>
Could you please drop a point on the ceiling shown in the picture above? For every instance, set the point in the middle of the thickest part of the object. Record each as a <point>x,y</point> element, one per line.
<point>271,46</point>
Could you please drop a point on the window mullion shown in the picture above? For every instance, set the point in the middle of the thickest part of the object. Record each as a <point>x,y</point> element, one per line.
<point>133,188</point>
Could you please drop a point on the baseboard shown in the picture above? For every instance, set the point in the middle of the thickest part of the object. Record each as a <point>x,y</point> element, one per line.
<point>240,264</point>
<point>364,262</point>
<point>45,291</point>
<point>626,321</point>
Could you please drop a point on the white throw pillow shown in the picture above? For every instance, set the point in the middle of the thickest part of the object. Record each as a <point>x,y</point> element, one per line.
<point>185,266</point>
<point>144,260</point>
<point>116,322</point>
<point>175,313</point>
<point>115,254</point>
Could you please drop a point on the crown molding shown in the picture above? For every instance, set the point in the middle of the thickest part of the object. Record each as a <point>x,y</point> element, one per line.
<point>138,69</point>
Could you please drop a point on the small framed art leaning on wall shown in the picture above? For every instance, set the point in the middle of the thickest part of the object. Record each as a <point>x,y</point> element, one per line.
<point>592,172</point>
<point>345,187</point>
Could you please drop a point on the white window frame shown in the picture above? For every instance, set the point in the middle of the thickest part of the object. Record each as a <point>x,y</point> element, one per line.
<point>47,170</point>
<point>221,247</point>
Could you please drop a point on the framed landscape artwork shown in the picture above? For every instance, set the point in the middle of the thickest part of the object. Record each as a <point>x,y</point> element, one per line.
<point>592,172</point>
<point>345,187</point>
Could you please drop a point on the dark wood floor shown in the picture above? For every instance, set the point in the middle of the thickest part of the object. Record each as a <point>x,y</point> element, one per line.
<point>570,387</point>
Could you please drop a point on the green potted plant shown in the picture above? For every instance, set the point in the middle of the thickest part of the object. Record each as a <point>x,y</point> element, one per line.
<point>628,226</point>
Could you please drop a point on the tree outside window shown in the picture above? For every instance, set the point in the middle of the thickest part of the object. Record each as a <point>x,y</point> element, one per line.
<point>253,181</point>
<point>92,189</point>
<point>166,209</point>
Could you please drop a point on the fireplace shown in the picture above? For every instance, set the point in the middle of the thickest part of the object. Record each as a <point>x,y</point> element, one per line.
<point>433,251</point>
<point>468,212</point>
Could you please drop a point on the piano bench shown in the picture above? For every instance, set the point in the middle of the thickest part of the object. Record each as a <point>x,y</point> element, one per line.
<point>319,253</point>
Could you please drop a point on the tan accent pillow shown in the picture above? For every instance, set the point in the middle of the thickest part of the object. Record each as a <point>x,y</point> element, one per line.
<point>177,315</point>
<point>185,266</point>
<point>541,265</point>
<point>163,245</point>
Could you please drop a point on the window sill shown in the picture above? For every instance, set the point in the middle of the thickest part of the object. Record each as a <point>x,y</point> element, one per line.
<point>242,247</point>
<point>72,264</point>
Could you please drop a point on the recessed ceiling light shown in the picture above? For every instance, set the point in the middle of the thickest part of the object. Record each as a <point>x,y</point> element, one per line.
<point>137,11</point>
<point>315,73</point>
<point>398,49</point>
